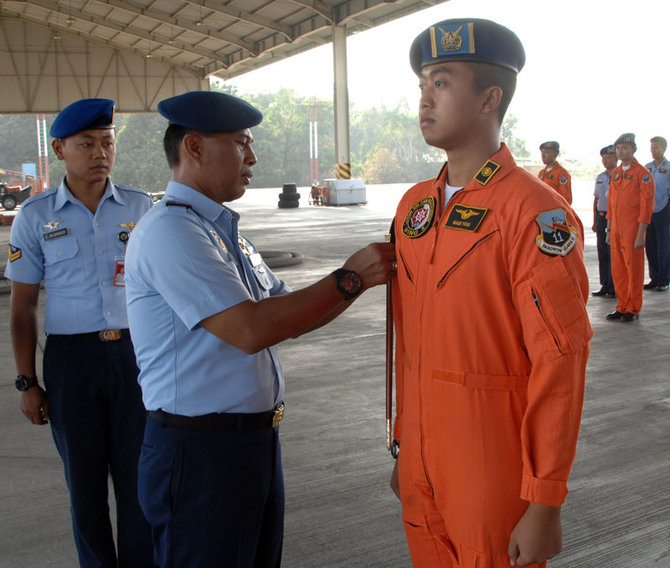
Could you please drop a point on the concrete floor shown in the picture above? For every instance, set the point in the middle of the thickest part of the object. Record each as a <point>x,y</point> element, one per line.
<point>340,512</point>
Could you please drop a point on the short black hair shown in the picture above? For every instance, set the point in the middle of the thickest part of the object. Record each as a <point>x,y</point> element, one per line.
<point>172,140</point>
<point>487,75</point>
<point>660,140</point>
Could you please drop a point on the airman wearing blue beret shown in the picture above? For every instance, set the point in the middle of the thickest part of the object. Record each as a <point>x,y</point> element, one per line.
<point>599,227</point>
<point>484,250</point>
<point>206,314</point>
<point>553,173</point>
<point>630,205</point>
<point>74,238</point>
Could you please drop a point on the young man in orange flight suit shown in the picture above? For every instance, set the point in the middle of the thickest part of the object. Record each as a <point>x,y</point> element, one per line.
<point>492,334</point>
<point>630,204</point>
<point>553,174</point>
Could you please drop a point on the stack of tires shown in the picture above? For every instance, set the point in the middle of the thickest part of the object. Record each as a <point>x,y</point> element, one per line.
<point>289,196</point>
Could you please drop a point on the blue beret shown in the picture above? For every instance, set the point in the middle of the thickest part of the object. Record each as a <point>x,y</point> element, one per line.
<point>467,39</point>
<point>608,150</point>
<point>210,111</point>
<point>86,114</point>
<point>551,145</point>
<point>627,138</point>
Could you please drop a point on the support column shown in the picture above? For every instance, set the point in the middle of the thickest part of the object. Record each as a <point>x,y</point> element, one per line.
<point>341,102</point>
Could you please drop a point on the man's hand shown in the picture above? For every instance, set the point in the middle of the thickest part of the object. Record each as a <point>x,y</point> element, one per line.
<point>374,264</point>
<point>537,537</point>
<point>395,485</point>
<point>34,404</point>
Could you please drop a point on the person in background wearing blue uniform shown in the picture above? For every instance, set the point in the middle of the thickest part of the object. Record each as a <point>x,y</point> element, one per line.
<point>74,238</point>
<point>609,160</point>
<point>206,314</point>
<point>658,231</point>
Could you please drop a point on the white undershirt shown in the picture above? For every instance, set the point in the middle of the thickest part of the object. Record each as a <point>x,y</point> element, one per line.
<point>449,191</point>
<point>625,168</point>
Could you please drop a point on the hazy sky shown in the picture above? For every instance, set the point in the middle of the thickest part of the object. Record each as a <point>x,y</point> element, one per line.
<point>594,69</point>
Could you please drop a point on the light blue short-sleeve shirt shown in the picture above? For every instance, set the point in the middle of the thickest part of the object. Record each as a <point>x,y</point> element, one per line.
<point>661,175</point>
<point>78,254</point>
<point>185,263</point>
<point>601,190</point>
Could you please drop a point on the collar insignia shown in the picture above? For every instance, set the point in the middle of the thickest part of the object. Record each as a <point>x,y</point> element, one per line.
<point>465,217</point>
<point>52,224</point>
<point>556,237</point>
<point>487,171</point>
<point>218,239</point>
<point>419,218</point>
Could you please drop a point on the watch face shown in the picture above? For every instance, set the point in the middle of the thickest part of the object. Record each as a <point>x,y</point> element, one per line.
<point>351,283</point>
<point>23,383</point>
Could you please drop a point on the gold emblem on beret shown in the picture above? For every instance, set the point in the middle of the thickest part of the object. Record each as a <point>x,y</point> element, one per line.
<point>452,41</point>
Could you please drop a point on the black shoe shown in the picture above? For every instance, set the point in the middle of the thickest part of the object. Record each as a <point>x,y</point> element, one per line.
<point>662,288</point>
<point>600,292</point>
<point>628,316</point>
<point>615,315</point>
<point>650,286</point>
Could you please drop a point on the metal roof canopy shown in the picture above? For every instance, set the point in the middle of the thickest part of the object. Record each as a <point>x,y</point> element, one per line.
<point>138,52</point>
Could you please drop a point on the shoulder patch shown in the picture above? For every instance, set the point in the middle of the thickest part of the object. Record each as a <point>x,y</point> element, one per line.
<point>419,218</point>
<point>14,253</point>
<point>487,171</point>
<point>465,217</point>
<point>556,237</point>
<point>563,180</point>
<point>646,178</point>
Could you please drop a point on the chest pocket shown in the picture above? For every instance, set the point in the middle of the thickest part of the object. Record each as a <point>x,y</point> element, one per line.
<point>261,273</point>
<point>61,261</point>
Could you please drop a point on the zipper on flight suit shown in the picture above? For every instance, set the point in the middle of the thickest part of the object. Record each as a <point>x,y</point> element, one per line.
<point>544,319</point>
<point>467,253</point>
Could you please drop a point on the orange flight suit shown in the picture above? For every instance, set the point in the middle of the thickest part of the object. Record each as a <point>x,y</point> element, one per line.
<point>492,339</point>
<point>559,179</point>
<point>630,202</point>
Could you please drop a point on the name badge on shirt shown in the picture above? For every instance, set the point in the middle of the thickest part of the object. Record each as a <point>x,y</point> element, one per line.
<point>120,273</point>
<point>465,217</point>
<point>56,234</point>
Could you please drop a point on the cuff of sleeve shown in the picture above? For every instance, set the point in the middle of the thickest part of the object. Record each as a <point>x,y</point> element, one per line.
<point>544,491</point>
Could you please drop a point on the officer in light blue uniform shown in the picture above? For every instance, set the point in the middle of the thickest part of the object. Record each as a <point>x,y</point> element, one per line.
<point>609,159</point>
<point>74,238</point>
<point>206,313</point>
<point>658,232</point>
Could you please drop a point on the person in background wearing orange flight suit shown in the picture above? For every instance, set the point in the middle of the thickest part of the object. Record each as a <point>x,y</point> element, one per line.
<point>609,160</point>
<point>492,334</point>
<point>630,204</point>
<point>553,174</point>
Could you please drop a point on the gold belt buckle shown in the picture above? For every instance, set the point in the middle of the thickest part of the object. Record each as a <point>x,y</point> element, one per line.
<point>278,415</point>
<point>109,334</point>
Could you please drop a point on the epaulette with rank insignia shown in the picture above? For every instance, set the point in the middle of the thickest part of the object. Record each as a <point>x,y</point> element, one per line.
<point>178,204</point>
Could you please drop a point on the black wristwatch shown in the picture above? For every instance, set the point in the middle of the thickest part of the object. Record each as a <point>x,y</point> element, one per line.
<point>24,383</point>
<point>349,283</point>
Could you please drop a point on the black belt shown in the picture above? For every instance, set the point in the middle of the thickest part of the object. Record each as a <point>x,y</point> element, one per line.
<point>242,422</point>
<point>103,335</point>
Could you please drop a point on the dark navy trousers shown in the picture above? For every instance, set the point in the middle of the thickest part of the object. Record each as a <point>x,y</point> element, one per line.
<point>214,498</point>
<point>97,421</point>
<point>658,247</point>
<point>604,258</point>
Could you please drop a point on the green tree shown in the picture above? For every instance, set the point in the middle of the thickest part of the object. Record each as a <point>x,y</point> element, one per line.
<point>516,145</point>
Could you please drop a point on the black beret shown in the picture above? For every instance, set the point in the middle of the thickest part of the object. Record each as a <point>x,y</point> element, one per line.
<point>467,39</point>
<point>86,114</point>
<point>627,138</point>
<point>551,145</point>
<point>210,111</point>
<point>608,150</point>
